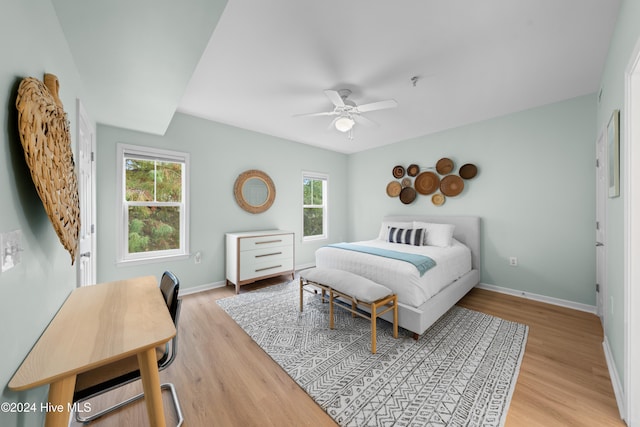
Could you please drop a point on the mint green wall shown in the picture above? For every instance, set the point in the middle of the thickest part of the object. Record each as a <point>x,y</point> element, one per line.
<point>534,192</point>
<point>219,153</point>
<point>31,293</point>
<point>625,38</point>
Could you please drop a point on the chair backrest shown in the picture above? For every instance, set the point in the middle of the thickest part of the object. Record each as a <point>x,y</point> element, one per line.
<point>169,286</point>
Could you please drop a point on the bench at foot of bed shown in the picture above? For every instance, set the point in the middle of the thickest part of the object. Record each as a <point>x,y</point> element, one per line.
<point>359,290</point>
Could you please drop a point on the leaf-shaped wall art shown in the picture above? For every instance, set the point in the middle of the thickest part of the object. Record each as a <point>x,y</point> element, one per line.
<point>45,137</point>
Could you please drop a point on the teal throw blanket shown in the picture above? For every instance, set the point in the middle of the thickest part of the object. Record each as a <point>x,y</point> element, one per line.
<point>421,262</point>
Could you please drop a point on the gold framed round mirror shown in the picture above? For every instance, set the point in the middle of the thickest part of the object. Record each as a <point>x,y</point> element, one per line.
<point>254,191</point>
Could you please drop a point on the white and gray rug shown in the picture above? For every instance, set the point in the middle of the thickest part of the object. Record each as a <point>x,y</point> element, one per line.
<point>461,372</point>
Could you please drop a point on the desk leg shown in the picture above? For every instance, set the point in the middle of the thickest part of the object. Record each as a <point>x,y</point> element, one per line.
<point>60,398</point>
<point>151,385</point>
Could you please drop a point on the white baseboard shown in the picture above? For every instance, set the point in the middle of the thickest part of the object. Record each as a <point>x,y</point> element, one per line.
<point>202,288</point>
<point>305,266</point>
<point>542,298</point>
<point>223,283</point>
<point>522,294</point>
<point>618,389</point>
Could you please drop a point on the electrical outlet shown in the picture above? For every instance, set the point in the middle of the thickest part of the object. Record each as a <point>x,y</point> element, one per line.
<point>513,261</point>
<point>10,248</point>
<point>197,257</point>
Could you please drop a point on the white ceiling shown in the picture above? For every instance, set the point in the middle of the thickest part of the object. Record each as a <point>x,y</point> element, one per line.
<point>136,57</point>
<point>269,60</point>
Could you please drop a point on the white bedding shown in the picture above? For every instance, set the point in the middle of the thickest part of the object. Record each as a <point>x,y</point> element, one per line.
<point>402,277</point>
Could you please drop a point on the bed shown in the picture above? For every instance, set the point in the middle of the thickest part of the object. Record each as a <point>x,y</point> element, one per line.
<point>422,298</point>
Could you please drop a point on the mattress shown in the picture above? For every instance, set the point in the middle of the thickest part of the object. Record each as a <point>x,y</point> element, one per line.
<point>402,277</point>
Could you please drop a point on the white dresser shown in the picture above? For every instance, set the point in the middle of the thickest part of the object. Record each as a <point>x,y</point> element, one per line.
<point>256,255</point>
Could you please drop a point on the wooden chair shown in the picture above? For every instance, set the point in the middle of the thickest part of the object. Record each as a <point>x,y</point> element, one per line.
<point>106,378</point>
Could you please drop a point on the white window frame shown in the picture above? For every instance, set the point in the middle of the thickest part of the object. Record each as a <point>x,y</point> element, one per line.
<point>325,205</point>
<point>150,153</point>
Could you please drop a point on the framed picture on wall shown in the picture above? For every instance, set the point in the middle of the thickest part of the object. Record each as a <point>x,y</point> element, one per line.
<point>613,148</point>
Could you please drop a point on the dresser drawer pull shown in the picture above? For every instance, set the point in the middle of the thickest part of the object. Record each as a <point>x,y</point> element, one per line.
<point>271,254</point>
<point>268,241</point>
<point>268,268</point>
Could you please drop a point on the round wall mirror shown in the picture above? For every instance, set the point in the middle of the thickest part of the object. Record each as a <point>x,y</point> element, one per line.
<point>254,191</point>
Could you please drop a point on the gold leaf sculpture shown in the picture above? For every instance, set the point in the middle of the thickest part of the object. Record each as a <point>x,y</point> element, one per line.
<point>45,137</point>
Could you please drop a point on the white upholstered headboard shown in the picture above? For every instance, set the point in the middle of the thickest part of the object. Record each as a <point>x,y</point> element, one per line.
<point>467,230</point>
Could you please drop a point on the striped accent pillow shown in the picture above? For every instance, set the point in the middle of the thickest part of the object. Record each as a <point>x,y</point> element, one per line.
<point>415,236</point>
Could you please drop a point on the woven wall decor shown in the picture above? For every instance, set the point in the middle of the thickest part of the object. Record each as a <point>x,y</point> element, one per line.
<point>430,181</point>
<point>45,137</point>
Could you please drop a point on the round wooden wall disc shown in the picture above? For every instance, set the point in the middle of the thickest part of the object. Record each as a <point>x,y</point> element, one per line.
<point>427,183</point>
<point>437,199</point>
<point>393,189</point>
<point>407,195</point>
<point>451,185</point>
<point>398,172</point>
<point>444,166</point>
<point>468,171</point>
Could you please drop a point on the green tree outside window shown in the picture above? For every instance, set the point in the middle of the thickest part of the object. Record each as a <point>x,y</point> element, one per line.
<point>314,206</point>
<point>153,192</point>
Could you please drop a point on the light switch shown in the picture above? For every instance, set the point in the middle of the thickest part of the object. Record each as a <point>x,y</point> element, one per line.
<point>10,248</point>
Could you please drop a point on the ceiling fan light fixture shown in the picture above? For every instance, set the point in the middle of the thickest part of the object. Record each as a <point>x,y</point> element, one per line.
<point>344,124</point>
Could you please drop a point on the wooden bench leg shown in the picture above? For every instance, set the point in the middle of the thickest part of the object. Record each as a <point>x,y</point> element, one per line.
<point>330,308</point>
<point>395,316</point>
<point>373,328</point>
<point>301,290</point>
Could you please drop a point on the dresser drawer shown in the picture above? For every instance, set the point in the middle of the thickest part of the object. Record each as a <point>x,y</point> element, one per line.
<point>261,242</point>
<point>265,268</point>
<point>265,255</point>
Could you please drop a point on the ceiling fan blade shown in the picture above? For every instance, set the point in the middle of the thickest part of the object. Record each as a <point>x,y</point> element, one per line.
<point>334,97</point>
<point>361,120</point>
<point>324,113</point>
<point>380,105</point>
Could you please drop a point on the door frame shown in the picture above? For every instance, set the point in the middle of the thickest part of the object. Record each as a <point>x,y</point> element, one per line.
<point>83,121</point>
<point>601,228</point>
<point>631,192</point>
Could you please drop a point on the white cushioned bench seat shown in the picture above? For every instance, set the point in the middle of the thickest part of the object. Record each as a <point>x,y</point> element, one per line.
<point>362,291</point>
<point>358,287</point>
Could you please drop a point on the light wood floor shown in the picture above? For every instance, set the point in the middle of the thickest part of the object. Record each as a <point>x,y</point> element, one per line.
<point>224,379</point>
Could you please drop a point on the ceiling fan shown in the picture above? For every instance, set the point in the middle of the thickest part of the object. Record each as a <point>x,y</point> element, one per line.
<point>347,112</point>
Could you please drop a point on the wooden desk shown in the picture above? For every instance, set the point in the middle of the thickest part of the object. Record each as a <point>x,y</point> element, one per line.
<point>95,326</point>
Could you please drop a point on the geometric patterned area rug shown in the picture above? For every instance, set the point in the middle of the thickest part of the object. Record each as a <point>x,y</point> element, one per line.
<point>461,372</point>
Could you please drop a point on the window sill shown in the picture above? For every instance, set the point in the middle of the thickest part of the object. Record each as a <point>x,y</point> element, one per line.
<point>314,239</point>
<point>141,261</point>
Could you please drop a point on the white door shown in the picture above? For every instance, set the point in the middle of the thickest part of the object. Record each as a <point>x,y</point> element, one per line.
<point>601,200</point>
<point>631,194</point>
<point>86,189</point>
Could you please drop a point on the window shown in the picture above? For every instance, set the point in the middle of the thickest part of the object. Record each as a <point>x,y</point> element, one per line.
<point>314,208</point>
<point>153,203</point>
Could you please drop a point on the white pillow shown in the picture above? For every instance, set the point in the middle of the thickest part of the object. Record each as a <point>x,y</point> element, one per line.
<point>437,234</point>
<point>384,228</point>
